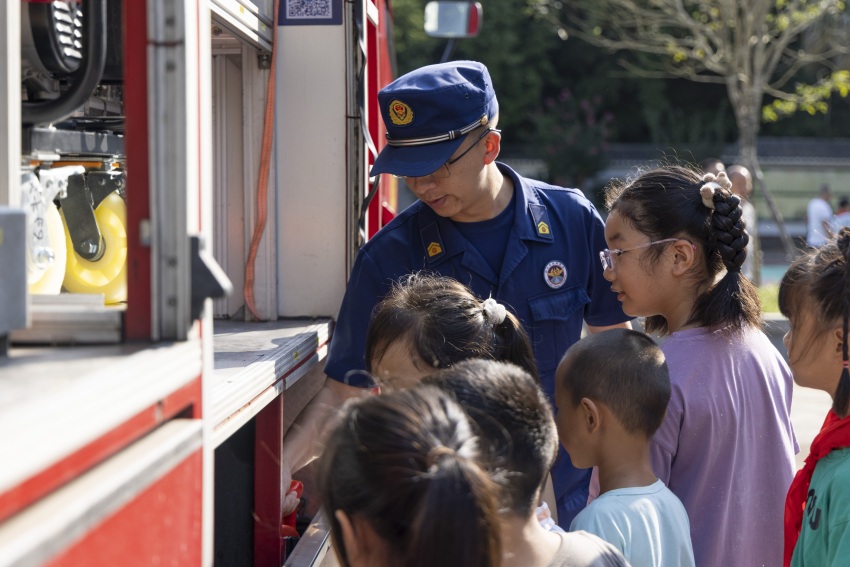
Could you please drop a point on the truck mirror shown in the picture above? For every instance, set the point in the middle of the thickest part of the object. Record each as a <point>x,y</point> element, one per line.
<point>453,20</point>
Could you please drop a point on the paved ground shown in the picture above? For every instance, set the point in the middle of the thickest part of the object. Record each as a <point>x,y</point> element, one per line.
<point>808,410</point>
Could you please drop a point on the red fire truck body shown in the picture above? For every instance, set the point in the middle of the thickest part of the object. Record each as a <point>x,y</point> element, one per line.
<point>188,148</point>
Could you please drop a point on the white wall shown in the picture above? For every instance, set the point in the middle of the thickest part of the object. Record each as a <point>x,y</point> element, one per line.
<point>310,137</point>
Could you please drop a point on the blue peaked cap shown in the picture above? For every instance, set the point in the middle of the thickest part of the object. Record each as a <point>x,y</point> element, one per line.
<point>428,112</point>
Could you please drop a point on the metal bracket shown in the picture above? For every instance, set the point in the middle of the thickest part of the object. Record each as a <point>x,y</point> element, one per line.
<point>208,279</point>
<point>102,183</point>
<point>78,210</point>
<point>85,193</point>
<point>264,60</point>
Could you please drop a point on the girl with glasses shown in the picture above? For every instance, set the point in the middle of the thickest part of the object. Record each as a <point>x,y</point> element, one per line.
<point>726,447</point>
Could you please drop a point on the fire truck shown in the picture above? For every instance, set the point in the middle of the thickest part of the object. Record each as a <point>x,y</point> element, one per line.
<point>184,188</point>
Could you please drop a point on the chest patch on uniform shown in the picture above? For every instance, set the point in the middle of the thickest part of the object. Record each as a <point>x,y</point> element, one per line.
<point>541,220</point>
<point>555,274</point>
<point>434,248</point>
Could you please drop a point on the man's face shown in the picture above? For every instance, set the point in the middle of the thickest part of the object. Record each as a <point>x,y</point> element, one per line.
<point>461,196</point>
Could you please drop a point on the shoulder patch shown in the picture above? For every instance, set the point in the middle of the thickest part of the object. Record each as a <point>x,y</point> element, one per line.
<point>432,242</point>
<point>541,220</point>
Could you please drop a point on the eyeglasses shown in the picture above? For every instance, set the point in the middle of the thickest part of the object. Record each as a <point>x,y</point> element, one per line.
<point>443,171</point>
<point>607,256</point>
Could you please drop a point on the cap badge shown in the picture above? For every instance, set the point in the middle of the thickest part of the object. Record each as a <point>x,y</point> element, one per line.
<point>400,113</point>
<point>555,274</point>
<point>434,248</point>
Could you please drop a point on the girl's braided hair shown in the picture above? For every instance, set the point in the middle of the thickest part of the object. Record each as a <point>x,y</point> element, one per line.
<point>676,202</point>
<point>818,283</point>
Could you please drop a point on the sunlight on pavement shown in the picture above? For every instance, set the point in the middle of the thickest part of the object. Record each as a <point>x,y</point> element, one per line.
<point>808,410</point>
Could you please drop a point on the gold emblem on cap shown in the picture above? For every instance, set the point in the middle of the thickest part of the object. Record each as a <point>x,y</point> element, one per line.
<point>433,249</point>
<point>400,113</point>
<point>484,120</point>
<point>542,228</point>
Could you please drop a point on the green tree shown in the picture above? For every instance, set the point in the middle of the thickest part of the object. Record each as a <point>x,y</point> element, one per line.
<point>573,134</point>
<point>514,43</point>
<point>753,47</point>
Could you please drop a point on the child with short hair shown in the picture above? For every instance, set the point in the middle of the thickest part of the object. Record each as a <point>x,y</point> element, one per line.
<point>611,391</point>
<point>403,483</point>
<point>513,419</point>
<point>815,296</point>
<point>726,447</point>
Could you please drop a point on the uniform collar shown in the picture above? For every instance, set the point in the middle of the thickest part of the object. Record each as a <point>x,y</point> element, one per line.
<point>442,240</point>
<point>530,212</point>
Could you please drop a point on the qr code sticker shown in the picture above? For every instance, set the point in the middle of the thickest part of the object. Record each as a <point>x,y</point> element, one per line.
<point>309,9</point>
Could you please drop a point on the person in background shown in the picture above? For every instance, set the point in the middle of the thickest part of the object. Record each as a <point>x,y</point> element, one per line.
<point>842,215</point>
<point>612,391</point>
<point>726,448</point>
<point>712,165</point>
<point>527,245</point>
<point>403,483</point>
<point>742,186</point>
<point>512,417</point>
<point>815,296</point>
<point>819,217</point>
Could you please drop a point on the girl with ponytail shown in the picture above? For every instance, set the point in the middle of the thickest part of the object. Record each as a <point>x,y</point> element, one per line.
<point>402,483</point>
<point>726,447</point>
<point>428,322</point>
<point>815,296</point>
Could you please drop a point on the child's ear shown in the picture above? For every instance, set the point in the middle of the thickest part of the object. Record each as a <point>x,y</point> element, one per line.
<point>590,412</point>
<point>838,336</point>
<point>349,537</point>
<point>684,256</point>
<point>358,538</point>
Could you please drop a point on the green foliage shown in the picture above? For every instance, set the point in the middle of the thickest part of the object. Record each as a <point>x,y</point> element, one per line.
<point>513,43</point>
<point>532,60</point>
<point>573,135</point>
<point>754,48</point>
<point>769,295</point>
<point>812,99</point>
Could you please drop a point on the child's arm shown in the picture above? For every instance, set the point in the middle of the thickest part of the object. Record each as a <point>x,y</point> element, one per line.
<point>665,442</point>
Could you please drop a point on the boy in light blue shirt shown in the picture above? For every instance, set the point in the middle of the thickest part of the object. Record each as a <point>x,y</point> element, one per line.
<point>611,392</point>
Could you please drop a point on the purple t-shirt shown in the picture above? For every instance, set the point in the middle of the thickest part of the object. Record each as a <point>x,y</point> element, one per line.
<point>726,448</point>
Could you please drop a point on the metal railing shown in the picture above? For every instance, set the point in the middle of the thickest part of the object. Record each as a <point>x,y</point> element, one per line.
<point>313,549</point>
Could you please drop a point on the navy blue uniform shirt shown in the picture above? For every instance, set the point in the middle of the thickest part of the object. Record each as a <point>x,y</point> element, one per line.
<point>551,280</point>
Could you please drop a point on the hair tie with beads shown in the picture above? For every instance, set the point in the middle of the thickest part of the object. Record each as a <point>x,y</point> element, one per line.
<point>711,184</point>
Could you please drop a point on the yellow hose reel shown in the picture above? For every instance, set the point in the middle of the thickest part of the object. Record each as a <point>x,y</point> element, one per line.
<point>48,279</point>
<point>108,274</point>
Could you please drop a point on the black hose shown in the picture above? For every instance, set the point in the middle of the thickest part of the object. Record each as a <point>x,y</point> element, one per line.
<point>85,79</point>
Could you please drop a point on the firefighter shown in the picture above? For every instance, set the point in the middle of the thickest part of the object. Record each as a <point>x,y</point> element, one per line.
<point>531,246</point>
